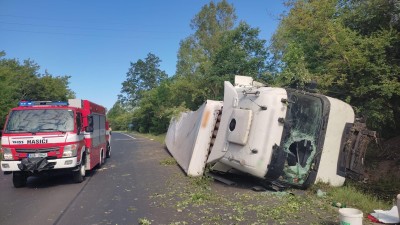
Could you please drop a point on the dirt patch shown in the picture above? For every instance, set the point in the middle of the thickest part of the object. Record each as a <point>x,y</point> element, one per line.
<point>383,161</point>
<point>391,148</point>
<point>382,171</point>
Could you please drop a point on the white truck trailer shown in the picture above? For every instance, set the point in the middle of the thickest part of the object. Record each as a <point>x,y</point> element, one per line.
<point>280,135</point>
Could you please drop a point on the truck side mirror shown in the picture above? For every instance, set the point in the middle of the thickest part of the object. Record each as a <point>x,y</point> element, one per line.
<point>79,123</point>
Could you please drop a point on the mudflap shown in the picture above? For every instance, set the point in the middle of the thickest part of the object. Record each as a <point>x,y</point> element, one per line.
<point>35,164</point>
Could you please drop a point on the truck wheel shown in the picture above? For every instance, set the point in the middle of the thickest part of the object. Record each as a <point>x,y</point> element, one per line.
<point>108,152</point>
<point>79,176</point>
<point>19,179</point>
<point>102,160</point>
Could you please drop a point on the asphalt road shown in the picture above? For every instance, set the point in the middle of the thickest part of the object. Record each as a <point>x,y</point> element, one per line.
<point>117,193</point>
<point>136,184</point>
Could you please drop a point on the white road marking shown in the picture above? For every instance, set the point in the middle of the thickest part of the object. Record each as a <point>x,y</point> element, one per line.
<point>128,135</point>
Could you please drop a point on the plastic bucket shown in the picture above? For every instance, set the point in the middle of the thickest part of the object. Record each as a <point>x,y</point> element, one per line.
<point>350,216</point>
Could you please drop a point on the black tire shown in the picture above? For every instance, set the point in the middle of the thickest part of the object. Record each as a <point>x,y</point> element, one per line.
<point>108,152</point>
<point>19,179</point>
<point>79,175</point>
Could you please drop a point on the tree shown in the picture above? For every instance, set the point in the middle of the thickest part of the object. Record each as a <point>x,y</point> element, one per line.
<point>119,117</point>
<point>54,88</point>
<point>351,48</point>
<point>241,52</point>
<point>141,77</point>
<point>22,81</point>
<point>196,51</point>
<point>215,52</point>
<point>210,23</point>
<point>218,50</point>
<point>154,112</point>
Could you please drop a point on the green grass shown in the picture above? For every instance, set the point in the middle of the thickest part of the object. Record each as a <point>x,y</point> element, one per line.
<point>385,188</point>
<point>187,195</point>
<point>144,221</point>
<point>353,196</point>
<point>168,161</point>
<point>256,208</point>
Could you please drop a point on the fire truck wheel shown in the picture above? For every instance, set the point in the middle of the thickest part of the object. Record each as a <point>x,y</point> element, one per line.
<point>101,160</point>
<point>79,175</point>
<point>108,152</point>
<point>19,179</point>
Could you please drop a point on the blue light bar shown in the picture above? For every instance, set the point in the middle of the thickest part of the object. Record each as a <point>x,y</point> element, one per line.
<point>25,103</point>
<point>33,103</point>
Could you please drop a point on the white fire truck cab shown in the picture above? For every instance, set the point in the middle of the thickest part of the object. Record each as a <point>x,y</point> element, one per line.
<point>46,136</point>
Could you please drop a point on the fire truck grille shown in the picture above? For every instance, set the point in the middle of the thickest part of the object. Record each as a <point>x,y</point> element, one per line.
<point>36,150</point>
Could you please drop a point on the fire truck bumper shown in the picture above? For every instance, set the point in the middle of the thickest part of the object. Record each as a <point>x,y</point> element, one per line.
<point>39,164</point>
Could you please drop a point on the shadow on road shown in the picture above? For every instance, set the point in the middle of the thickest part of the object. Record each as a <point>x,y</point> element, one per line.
<point>54,179</point>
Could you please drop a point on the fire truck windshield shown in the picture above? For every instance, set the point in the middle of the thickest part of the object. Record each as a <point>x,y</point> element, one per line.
<point>40,120</point>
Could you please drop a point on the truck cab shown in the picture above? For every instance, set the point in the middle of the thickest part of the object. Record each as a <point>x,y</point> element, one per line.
<point>41,136</point>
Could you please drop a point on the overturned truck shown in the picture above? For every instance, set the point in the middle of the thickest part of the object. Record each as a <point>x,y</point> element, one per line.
<point>283,136</point>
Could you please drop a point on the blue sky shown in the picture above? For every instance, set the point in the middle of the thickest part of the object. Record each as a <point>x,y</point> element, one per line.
<point>94,41</point>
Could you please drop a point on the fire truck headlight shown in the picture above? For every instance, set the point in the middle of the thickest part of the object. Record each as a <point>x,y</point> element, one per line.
<point>70,150</point>
<point>7,155</point>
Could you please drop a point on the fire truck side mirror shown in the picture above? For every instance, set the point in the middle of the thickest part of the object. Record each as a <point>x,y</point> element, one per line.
<point>89,128</point>
<point>79,123</point>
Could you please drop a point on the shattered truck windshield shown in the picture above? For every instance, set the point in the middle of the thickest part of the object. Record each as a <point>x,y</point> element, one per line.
<point>303,136</point>
<point>40,120</point>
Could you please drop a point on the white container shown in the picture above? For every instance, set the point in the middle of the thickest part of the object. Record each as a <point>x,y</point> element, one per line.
<point>350,216</point>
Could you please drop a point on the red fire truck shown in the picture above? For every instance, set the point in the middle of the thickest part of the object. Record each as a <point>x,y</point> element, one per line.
<point>45,136</point>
